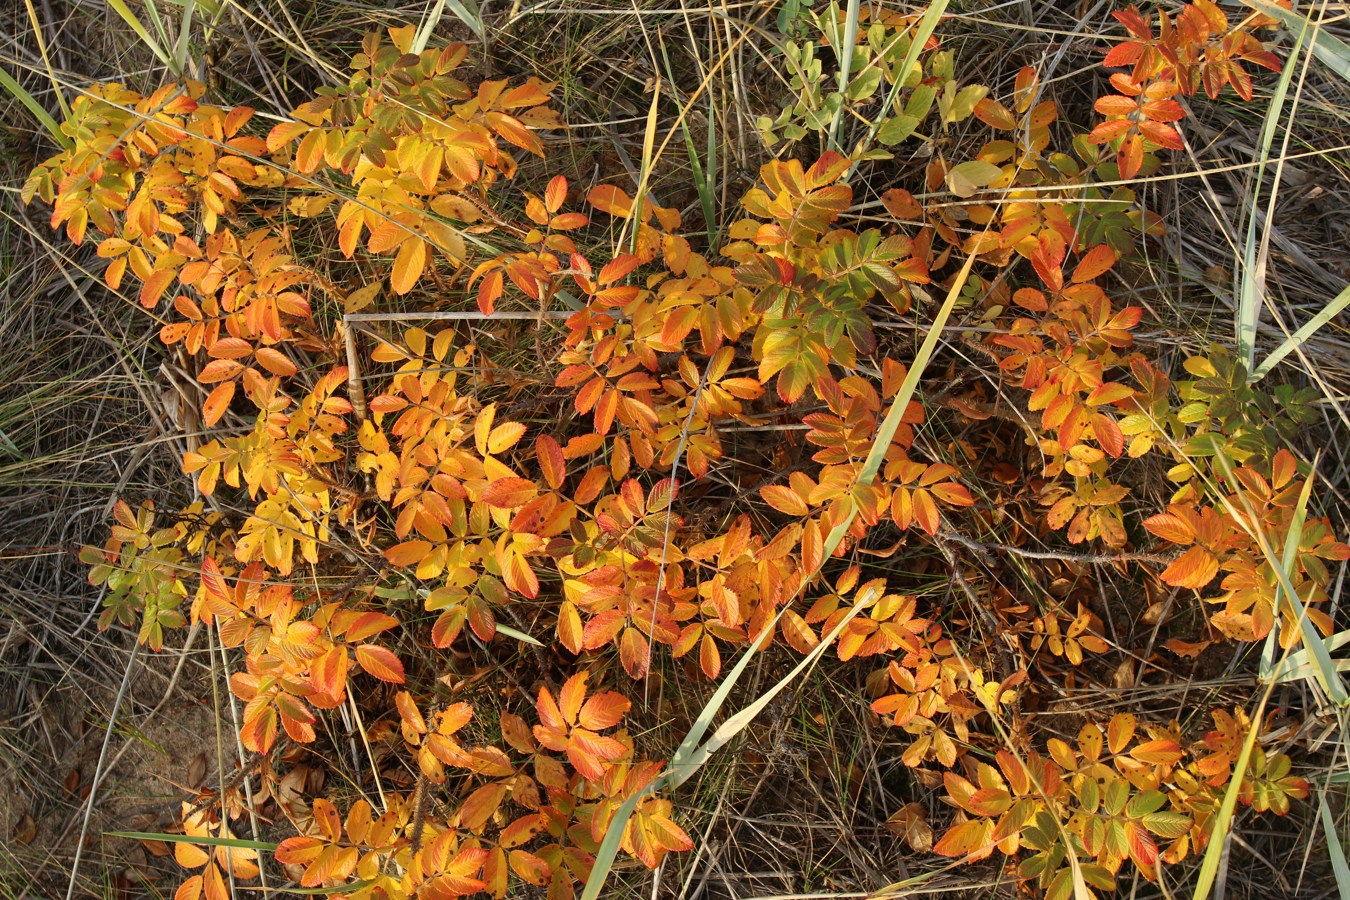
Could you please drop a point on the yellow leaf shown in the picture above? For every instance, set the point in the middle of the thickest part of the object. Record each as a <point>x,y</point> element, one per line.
<point>362,297</point>
<point>504,436</point>
<point>408,265</point>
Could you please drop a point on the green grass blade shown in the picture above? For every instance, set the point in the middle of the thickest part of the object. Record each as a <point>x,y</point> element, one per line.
<point>518,635</point>
<point>157,23</point>
<point>1324,668</point>
<point>181,47</point>
<point>645,166</point>
<point>1289,565</point>
<point>120,7</point>
<point>1299,664</point>
<point>711,173</point>
<point>465,10</point>
<point>46,59</point>
<point>9,83</point>
<point>1300,337</point>
<point>738,722</point>
<point>850,41</point>
<point>1339,867</point>
<point>323,891</point>
<point>202,840</point>
<point>701,184</point>
<point>429,23</point>
<point>1251,277</point>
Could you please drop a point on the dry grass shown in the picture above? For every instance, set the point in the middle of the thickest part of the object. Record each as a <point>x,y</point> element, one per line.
<point>798,807</point>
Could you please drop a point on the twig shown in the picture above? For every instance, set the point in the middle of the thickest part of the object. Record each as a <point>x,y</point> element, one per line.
<point>1089,559</point>
<point>99,770</point>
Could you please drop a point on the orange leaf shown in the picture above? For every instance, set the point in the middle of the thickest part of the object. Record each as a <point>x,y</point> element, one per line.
<point>510,493</point>
<point>1115,105</point>
<point>380,662</point>
<point>555,193</point>
<point>953,494</point>
<point>219,370</point>
<point>408,553</point>
<point>328,673</point>
<point>274,361</point>
<point>610,199</point>
<point>1157,753</point>
<point>155,286</point>
<point>784,499</point>
<point>901,204</point>
<point>1119,732</point>
<point>530,868</point>
<point>967,839</point>
<point>551,461</point>
<point>989,802</point>
<point>1094,263</point>
<point>283,133</point>
<point>1130,159</point>
<point>926,511</point>
<point>1194,569</point>
<point>1109,436</point>
<point>504,436</point>
<point>1186,648</point>
<point>569,627</point>
<point>603,711</point>
<point>217,402</point>
<point>1170,528</point>
<point>797,633</point>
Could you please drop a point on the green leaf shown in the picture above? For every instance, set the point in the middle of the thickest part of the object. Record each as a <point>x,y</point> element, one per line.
<point>963,104</point>
<point>968,177</point>
<point>1168,825</point>
<point>201,840</point>
<point>922,32</point>
<point>895,129</point>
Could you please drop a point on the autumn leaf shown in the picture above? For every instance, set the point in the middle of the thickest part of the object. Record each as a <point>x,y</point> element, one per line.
<point>1194,569</point>
<point>510,493</point>
<point>408,265</point>
<point>380,662</point>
